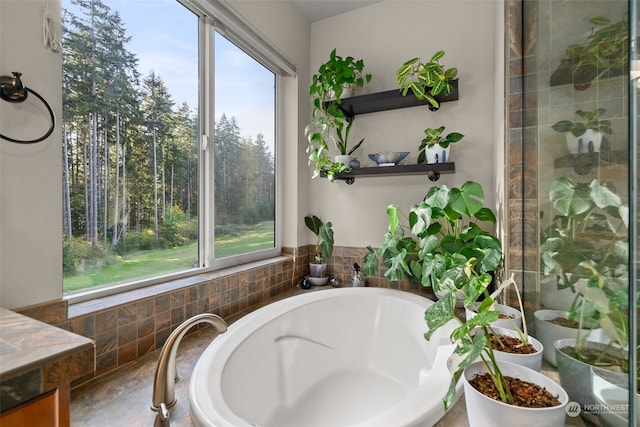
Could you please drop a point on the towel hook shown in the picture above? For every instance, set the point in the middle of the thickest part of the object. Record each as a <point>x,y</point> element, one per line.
<point>12,90</point>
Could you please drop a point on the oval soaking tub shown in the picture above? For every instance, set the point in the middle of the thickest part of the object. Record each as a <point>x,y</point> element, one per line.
<point>335,357</point>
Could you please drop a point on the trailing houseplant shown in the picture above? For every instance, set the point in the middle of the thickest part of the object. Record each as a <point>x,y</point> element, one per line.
<point>590,129</point>
<point>426,79</point>
<point>323,246</point>
<point>434,137</point>
<point>329,126</point>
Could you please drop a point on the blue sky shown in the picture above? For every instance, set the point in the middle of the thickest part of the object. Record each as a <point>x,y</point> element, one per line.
<point>164,37</point>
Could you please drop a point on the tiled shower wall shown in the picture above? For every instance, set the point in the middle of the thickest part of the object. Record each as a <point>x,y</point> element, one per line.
<point>131,324</point>
<point>538,33</point>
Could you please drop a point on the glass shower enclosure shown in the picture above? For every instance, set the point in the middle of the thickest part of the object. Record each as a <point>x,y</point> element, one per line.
<point>573,82</point>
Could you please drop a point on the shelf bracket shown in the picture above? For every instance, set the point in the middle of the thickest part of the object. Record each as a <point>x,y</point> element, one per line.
<point>433,176</point>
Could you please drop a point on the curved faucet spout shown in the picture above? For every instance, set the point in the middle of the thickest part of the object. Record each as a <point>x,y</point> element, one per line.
<point>164,382</point>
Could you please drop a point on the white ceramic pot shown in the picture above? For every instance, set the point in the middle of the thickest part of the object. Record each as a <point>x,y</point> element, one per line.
<point>548,333</point>
<point>553,298</point>
<point>532,361</point>
<point>459,296</point>
<point>483,411</point>
<point>575,377</point>
<point>580,144</point>
<point>613,398</point>
<point>437,154</point>
<point>344,159</point>
<point>515,321</point>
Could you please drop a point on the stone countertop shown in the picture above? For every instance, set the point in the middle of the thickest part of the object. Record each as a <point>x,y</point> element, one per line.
<point>36,357</point>
<point>126,394</point>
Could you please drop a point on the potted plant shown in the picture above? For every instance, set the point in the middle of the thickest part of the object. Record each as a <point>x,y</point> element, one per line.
<point>323,249</point>
<point>329,125</point>
<point>494,379</point>
<point>426,79</point>
<point>443,244</point>
<point>434,147</point>
<point>589,224</point>
<point>585,135</point>
<point>440,240</point>
<point>593,247</point>
<point>577,357</point>
<point>604,53</point>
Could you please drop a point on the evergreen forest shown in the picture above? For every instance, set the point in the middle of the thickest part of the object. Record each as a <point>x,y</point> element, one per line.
<point>131,154</point>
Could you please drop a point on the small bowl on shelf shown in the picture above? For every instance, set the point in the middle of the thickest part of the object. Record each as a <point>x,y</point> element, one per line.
<point>388,158</point>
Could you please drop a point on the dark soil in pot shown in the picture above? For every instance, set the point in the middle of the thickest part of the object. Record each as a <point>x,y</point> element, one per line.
<point>525,394</point>
<point>616,364</point>
<point>596,357</point>
<point>561,321</point>
<point>511,345</point>
<point>505,316</point>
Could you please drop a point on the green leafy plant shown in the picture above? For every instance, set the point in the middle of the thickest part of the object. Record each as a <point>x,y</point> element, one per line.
<point>441,244</point>
<point>329,125</point>
<point>589,225</point>
<point>324,237</point>
<point>433,136</point>
<point>604,52</point>
<point>426,79</point>
<point>472,338</point>
<point>590,120</point>
<point>587,247</point>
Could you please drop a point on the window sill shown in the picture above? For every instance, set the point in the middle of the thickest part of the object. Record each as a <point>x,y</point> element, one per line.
<point>101,303</point>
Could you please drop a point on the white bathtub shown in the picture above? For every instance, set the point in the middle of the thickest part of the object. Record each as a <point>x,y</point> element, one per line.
<point>329,358</point>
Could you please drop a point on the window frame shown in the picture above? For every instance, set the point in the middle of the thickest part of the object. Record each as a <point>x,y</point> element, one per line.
<point>213,16</point>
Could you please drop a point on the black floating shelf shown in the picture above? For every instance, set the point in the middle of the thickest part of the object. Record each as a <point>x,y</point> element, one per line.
<point>583,163</point>
<point>390,100</point>
<point>432,170</point>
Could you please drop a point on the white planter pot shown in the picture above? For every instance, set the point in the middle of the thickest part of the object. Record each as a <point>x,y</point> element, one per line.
<point>483,411</point>
<point>576,379</point>
<point>553,298</point>
<point>613,398</point>
<point>548,333</point>
<point>580,144</point>
<point>344,159</point>
<point>347,92</point>
<point>437,154</point>
<point>515,322</point>
<point>532,361</point>
<point>459,296</point>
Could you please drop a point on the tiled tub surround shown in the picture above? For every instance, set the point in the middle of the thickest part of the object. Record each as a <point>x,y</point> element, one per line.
<point>131,324</point>
<point>36,358</point>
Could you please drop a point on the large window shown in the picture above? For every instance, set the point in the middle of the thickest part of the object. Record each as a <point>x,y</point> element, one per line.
<point>169,160</point>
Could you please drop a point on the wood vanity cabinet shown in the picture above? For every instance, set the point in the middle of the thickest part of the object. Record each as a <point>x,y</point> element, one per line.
<point>49,410</point>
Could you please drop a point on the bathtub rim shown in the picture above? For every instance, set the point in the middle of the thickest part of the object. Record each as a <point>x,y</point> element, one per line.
<point>412,404</point>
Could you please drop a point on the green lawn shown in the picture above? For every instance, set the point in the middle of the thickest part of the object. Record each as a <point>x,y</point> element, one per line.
<point>151,263</point>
